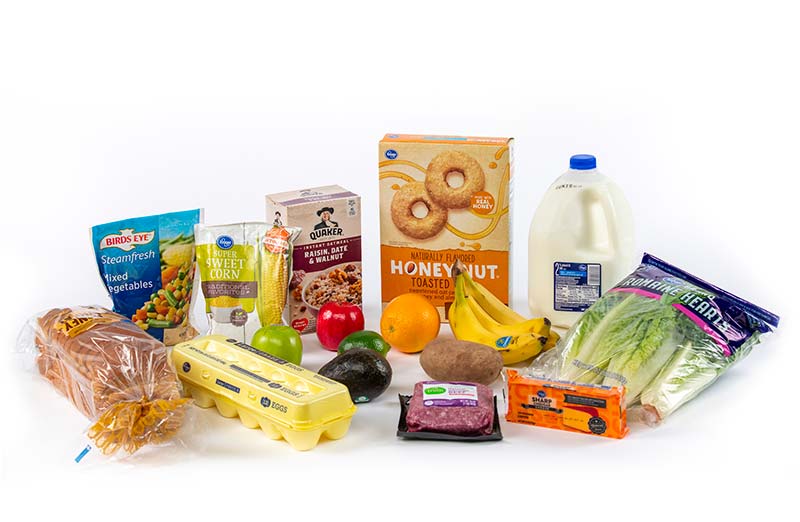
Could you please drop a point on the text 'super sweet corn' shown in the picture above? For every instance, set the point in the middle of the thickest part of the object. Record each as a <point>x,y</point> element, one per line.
<point>244,268</point>
<point>283,399</point>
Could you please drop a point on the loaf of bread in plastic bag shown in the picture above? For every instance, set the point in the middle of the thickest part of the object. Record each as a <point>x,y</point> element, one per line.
<point>114,373</point>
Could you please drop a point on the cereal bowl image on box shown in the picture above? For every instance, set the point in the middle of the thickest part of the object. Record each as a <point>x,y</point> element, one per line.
<point>340,284</point>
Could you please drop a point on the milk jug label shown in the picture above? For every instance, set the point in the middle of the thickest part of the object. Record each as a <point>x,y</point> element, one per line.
<point>576,286</point>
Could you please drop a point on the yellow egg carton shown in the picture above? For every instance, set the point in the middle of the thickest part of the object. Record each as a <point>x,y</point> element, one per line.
<point>283,399</point>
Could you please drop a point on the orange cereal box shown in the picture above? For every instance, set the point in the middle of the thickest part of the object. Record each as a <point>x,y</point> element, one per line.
<point>582,408</point>
<point>444,198</point>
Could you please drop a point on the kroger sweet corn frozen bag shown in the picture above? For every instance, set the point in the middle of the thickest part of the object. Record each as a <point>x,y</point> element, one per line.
<point>244,269</point>
<point>147,265</point>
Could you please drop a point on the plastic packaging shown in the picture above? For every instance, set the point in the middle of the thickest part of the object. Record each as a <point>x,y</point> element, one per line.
<point>662,333</point>
<point>112,371</point>
<point>283,399</point>
<point>581,243</point>
<point>457,408</point>
<point>245,269</point>
<point>147,265</point>
<point>404,433</point>
<point>580,408</point>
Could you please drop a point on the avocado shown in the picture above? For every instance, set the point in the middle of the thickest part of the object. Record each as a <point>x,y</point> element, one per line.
<point>365,372</point>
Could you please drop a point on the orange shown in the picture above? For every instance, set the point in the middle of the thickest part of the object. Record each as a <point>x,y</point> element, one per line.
<point>409,322</point>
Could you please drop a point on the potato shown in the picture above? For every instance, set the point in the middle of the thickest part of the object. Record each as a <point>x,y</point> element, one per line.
<point>453,360</point>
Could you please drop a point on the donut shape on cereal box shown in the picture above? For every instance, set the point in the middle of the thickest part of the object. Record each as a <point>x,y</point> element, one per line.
<point>448,162</point>
<point>403,216</point>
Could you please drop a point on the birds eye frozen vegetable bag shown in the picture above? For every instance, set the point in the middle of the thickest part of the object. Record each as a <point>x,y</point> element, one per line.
<point>147,265</point>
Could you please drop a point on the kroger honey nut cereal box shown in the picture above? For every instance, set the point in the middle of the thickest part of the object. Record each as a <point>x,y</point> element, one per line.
<point>444,198</point>
<point>326,264</point>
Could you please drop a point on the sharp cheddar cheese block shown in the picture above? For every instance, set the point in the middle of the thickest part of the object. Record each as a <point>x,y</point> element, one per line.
<point>582,408</point>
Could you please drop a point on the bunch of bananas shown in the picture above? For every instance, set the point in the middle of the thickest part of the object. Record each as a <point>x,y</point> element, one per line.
<point>479,316</point>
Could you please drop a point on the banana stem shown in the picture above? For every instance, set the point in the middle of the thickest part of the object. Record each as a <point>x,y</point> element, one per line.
<point>458,268</point>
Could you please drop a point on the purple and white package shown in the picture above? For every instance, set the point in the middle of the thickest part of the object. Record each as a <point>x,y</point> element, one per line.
<point>458,408</point>
<point>661,332</point>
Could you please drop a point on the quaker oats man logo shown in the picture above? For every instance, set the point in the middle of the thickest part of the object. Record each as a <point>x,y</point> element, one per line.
<point>327,227</point>
<point>325,214</point>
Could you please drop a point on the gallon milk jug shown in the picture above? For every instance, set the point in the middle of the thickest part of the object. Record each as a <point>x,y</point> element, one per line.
<point>580,243</point>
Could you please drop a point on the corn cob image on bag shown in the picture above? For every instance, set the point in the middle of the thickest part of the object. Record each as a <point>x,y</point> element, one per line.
<point>275,259</point>
<point>244,271</point>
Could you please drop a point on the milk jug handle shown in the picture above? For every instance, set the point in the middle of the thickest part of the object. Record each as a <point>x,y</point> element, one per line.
<point>600,196</point>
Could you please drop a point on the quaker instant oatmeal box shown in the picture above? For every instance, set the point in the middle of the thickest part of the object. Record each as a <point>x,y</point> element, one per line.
<point>327,255</point>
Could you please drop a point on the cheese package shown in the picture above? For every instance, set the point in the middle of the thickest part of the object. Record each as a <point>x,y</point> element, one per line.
<point>286,401</point>
<point>444,198</point>
<point>583,408</point>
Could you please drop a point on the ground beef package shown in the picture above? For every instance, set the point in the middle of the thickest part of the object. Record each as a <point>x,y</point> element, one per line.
<point>458,408</point>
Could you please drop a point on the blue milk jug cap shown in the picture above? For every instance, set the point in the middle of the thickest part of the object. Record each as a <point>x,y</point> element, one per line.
<point>583,162</point>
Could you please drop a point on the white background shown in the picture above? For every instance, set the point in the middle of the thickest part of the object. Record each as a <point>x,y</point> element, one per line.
<point>110,111</point>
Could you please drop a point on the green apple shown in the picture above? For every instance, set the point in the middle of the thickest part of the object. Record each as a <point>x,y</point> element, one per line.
<point>281,341</point>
